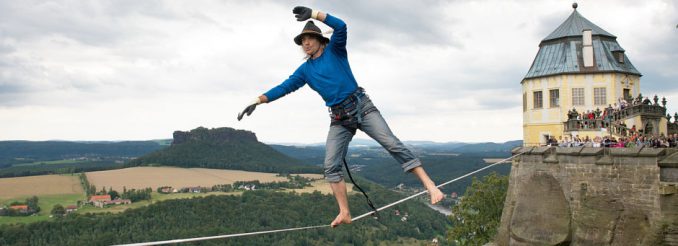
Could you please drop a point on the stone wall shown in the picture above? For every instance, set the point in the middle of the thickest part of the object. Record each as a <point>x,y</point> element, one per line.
<point>591,196</point>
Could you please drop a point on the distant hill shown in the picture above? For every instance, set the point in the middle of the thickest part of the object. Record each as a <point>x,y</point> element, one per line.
<point>27,158</point>
<point>222,148</point>
<point>308,154</point>
<point>489,147</point>
<point>15,152</point>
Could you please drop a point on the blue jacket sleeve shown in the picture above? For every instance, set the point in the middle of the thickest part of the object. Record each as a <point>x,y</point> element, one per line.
<point>339,35</point>
<point>293,83</point>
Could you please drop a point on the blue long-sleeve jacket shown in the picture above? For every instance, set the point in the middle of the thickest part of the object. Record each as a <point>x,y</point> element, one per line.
<point>330,74</point>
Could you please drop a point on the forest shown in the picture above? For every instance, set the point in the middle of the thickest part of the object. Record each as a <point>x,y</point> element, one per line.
<point>226,214</point>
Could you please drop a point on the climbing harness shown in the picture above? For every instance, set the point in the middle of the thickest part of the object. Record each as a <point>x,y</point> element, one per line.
<point>349,112</point>
<point>318,226</point>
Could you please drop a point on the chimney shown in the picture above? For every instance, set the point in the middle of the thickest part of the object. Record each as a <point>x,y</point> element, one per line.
<point>587,49</point>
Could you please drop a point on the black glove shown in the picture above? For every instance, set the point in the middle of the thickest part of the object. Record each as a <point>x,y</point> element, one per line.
<point>249,109</point>
<point>302,13</point>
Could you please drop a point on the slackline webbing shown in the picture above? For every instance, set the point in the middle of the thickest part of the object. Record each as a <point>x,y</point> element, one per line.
<point>318,226</point>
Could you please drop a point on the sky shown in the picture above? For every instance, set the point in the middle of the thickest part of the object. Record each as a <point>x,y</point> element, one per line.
<point>437,70</point>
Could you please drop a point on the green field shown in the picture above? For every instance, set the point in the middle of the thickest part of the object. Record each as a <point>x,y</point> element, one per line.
<point>155,197</point>
<point>67,161</point>
<point>45,202</point>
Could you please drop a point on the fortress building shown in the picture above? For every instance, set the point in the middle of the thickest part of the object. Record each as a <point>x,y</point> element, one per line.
<point>588,195</point>
<point>581,68</point>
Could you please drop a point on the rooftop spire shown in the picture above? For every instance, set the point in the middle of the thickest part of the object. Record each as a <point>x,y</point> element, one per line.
<point>573,26</point>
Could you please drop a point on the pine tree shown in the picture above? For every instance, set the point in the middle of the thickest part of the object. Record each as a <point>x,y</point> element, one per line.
<point>476,218</point>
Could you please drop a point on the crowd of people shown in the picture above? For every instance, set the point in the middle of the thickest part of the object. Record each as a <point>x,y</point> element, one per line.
<point>635,140</point>
<point>611,119</point>
<point>609,113</point>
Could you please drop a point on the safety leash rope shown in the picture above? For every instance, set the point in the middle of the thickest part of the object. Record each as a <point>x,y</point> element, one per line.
<point>318,226</point>
<point>369,202</point>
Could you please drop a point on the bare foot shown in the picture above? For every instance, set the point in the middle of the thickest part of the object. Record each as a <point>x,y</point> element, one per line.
<point>436,195</point>
<point>342,218</point>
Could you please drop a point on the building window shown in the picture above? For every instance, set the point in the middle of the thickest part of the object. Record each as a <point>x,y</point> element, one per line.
<point>619,55</point>
<point>578,96</point>
<point>524,102</point>
<point>538,99</point>
<point>554,98</point>
<point>599,96</point>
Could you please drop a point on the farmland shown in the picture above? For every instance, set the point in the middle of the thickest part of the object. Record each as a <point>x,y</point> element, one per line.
<point>154,177</point>
<point>67,190</point>
<point>39,186</point>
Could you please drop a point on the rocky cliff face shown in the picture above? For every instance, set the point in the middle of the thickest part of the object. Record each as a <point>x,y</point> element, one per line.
<point>591,196</point>
<point>217,135</point>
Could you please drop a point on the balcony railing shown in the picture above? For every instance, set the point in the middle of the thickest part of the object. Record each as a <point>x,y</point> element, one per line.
<point>586,125</point>
<point>597,125</point>
<point>640,109</point>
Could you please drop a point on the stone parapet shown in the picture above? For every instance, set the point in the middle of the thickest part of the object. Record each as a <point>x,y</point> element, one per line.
<point>596,196</point>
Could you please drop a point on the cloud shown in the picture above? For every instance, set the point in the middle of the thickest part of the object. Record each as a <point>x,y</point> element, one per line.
<point>438,70</point>
<point>372,23</point>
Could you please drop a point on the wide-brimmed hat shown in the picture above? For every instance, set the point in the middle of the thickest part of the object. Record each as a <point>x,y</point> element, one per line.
<point>311,29</point>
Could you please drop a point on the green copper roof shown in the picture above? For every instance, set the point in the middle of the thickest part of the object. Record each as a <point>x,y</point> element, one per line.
<point>561,51</point>
<point>574,25</point>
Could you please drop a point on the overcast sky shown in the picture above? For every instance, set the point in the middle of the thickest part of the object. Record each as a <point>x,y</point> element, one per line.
<point>437,70</point>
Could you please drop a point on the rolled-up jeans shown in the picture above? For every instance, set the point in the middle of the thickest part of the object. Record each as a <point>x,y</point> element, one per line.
<point>374,125</point>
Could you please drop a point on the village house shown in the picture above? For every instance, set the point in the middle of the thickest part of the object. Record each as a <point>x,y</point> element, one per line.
<point>100,201</point>
<point>71,208</point>
<point>20,208</point>
<point>166,189</point>
<point>196,189</point>
<point>118,201</point>
<point>247,187</point>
